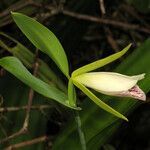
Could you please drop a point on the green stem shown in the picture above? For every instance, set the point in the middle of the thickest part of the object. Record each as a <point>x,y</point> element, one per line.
<point>71,93</point>
<point>80,131</point>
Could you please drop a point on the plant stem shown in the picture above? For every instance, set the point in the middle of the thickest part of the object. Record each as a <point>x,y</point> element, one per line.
<point>80,131</point>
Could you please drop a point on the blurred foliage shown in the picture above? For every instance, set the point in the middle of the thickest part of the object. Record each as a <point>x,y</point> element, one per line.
<point>84,42</point>
<point>16,94</point>
<point>142,6</point>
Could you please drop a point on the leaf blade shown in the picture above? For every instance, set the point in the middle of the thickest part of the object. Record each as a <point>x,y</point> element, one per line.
<point>42,38</point>
<point>14,66</point>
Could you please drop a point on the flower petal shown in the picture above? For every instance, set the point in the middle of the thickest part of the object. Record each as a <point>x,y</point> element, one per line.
<point>138,77</point>
<point>108,82</point>
<point>134,92</point>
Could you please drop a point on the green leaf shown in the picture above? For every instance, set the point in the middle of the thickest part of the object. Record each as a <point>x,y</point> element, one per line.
<point>96,100</point>
<point>100,63</point>
<point>27,58</point>
<point>14,66</point>
<point>43,39</point>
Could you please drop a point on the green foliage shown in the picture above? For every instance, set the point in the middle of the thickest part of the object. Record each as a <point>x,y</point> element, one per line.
<point>142,6</point>
<point>27,58</point>
<point>16,95</point>
<point>43,39</point>
<point>14,66</point>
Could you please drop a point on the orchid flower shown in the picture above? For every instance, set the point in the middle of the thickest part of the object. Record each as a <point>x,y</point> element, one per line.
<point>114,84</point>
<point>109,83</point>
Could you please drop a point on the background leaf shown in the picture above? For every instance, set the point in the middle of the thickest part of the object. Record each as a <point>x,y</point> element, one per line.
<point>142,6</point>
<point>16,93</point>
<point>43,39</point>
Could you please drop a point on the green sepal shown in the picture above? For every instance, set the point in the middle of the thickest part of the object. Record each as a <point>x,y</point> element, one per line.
<point>100,103</point>
<point>100,63</point>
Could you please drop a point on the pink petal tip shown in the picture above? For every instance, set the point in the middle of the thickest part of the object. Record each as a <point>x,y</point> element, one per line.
<point>137,93</point>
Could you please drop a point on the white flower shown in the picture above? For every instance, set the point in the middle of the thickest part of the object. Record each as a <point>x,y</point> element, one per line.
<point>114,84</point>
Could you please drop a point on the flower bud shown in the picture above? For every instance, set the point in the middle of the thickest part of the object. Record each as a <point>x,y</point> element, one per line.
<point>114,84</point>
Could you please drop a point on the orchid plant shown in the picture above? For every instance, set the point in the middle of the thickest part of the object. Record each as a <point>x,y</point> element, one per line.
<point>108,83</point>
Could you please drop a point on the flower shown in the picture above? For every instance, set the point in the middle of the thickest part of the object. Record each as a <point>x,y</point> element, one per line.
<point>111,83</point>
